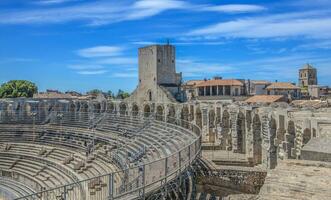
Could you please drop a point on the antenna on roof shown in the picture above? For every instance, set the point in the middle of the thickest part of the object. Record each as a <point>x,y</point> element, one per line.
<point>168,41</point>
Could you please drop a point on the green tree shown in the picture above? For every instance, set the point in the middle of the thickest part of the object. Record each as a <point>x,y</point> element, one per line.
<point>94,92</point>
<point>122,95</point>
<point>110,94</point>
<point>18,88</point>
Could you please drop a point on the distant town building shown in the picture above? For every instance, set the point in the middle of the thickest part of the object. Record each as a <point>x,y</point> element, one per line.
<point>307,76</point>
<point>158,80</point>
<point>257,87</point>
<point>284,88</point>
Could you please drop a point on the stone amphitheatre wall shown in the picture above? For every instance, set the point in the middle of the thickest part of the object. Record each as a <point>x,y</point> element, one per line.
<point>263,134</point>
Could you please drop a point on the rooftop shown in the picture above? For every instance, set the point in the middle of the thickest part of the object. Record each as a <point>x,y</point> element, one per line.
<point>230,82</point>
<point>282,85</point>
<point>265,99</point>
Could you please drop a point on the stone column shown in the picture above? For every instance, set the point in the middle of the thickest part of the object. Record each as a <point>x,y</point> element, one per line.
<point>269,151</point>
<point>234,136</point>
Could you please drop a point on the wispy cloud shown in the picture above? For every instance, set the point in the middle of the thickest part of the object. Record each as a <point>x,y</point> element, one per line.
<point>52,2</point>
<point>315,24</point>
<point>125,75</point>
<point>94,72</point>
<point>96,13</point>
<point>235,8</point>
<point>100,51</point>
<point>105,12</point>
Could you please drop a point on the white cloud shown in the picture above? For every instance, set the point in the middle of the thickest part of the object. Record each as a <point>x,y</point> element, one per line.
<point>94,72</point>
<point>100,51</point>
<point>51,2</point>
<point>85,67</point>
<point>107,12</point>
<point>125,75</point>
<point>235,8</point>
<point>307,24</point>
<point>96,13</point>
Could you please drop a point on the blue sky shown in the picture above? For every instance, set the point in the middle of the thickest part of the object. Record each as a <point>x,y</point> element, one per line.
<point>81,45</point>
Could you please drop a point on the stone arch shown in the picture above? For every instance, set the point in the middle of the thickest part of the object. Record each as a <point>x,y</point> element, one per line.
<point>97,107</point>
<point>171,114</point>
<point>135,110</point>
<point>160,113</point>
<point>290,138</point>
<point>72,107</point>
<point>257,140</point>
<point>123,108</point>
<point>110,107</point>
<point>84,107</point>
<point>306,136</point>
<point>198,117</point>
<point>241,133</point>
<point>147,110</point>
<point>77,106</point>
<point>226,140</point>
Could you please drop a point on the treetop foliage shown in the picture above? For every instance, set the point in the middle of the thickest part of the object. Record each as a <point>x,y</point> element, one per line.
<point>18,88</point>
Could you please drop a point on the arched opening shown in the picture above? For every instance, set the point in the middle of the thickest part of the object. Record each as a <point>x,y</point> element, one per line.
<point>84,108</point>
<point>159,113</point>
<point>171,114</point>
<point>226,140</point>
<point>198,118</point>
<point>306,136</point>
<point>72,108</point>
<point>97,107</point>
<point>241,133</point>
<point>257,140</point>
<point>147,110</point>
<point>135,110</point>
<point>150,97</point>
<point>123,109</point>
<point>110,107</point>
<point>290,138</point>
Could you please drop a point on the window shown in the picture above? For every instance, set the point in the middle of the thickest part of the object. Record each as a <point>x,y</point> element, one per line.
<point>150,95</point>
<point>158,60</point>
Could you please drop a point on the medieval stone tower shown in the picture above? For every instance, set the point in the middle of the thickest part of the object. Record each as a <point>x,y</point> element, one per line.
<point>158,80</point>
<point>307,76</point>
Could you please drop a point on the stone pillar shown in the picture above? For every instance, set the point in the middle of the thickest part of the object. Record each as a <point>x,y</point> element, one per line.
<point>269,151</point>
<point>234,136</point>
<point>217,90</point>
<point>204,91</point>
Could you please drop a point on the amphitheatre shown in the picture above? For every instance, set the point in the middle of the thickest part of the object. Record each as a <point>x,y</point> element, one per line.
<point>152,146</point>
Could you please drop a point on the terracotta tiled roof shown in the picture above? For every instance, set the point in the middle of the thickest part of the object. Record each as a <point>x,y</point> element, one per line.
<point>265,98</point>
<point>232,82</point>
<point>282,85</point>
<point>193,82</point>
<point>52,95</point>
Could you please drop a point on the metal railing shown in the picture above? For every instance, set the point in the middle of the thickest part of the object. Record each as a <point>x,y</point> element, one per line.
<point>137,181</point>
